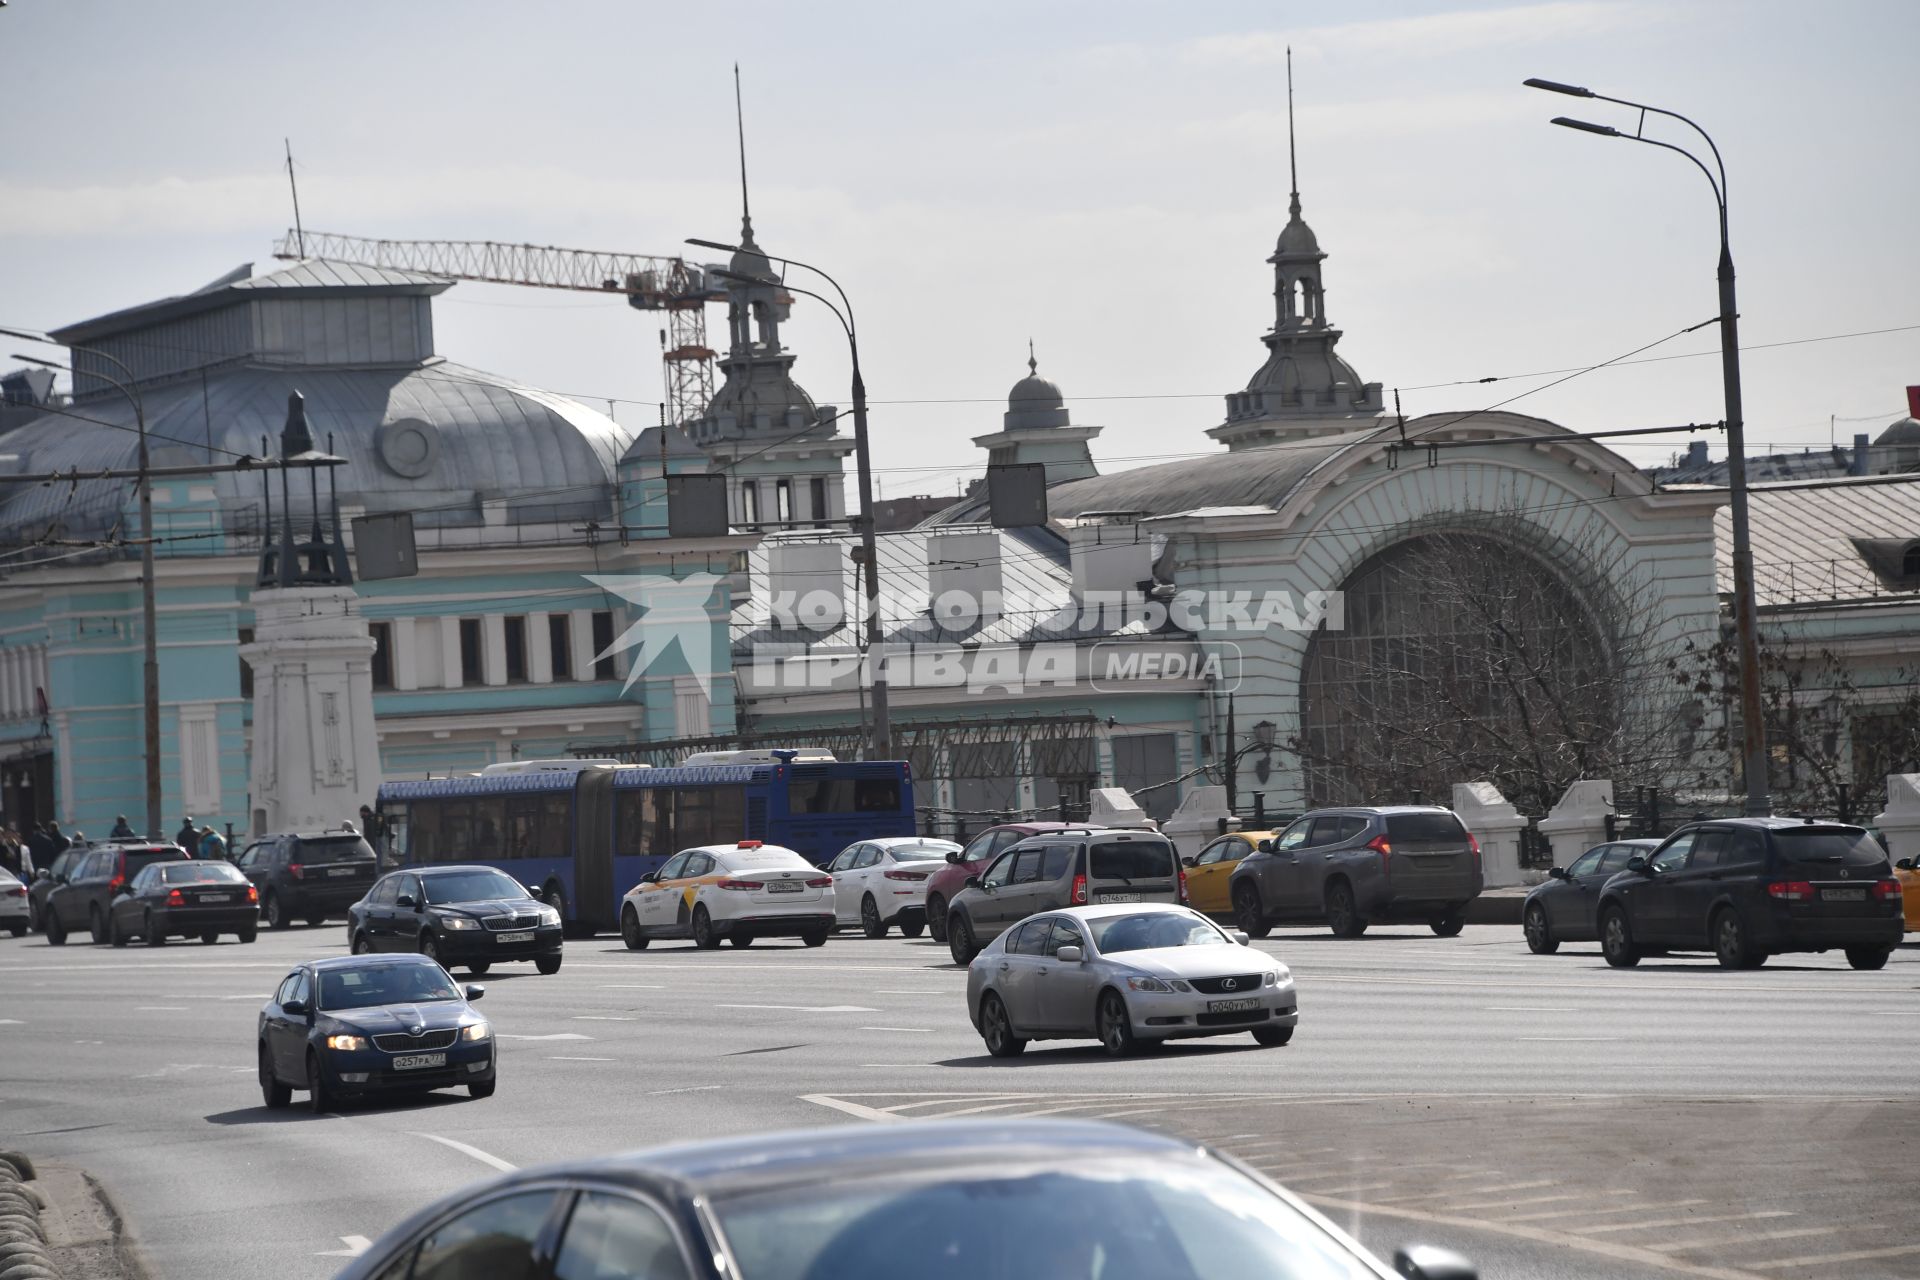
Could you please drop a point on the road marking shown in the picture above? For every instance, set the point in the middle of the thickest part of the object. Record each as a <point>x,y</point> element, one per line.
<point>1594,1213</point>
<point>483,1157</point>
<point>854,1109</point>
<point>554,1057</point>
<point>1354,1190</point>
<point>928,1030</point>
<point>1541,1235</point>
<point>1469,1191</point>
<point>11,1022</point>
<point>921,991</point>
<point>159,1008</point>
<point>631,986</point>
<point>1526,1008</point>
<point>558,1035</point>
<point>804,1008</point>
<point>601,1017</point>
<point>1717,1242</point>
<point>356,1245</point>
<point>1820,1259</point>
<point>1568,1039</point>
<point>775,1048</point>
<point>1679,1222</point>
<point>692,1088</point>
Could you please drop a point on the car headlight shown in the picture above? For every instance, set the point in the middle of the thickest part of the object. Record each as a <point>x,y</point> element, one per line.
<point>347,1044</point>
<point>476,1031</point>
<point>1151,984</point>
<point>458,922</point>
<point>1278,977</point>
<point>549,916</point>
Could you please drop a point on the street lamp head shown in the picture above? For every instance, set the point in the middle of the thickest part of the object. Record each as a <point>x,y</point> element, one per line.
<point>713,244</point>
<point>1604,130</point>
<point>1263,734</point>
<point>1554,86</point>
<point>49,364</point>
<point>24,334</point>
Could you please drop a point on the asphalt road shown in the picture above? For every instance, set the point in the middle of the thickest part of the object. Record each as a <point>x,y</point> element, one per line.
<point>1548,1116</point>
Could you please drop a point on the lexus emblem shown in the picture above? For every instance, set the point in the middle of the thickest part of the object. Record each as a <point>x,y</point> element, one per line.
<point>1228,984</point>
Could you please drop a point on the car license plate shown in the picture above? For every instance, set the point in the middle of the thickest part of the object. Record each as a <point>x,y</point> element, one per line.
<point>1844,895</point>
<point>216,897</point>
<point>413,1061</point>
<point>1121,897</point>
<point>783,886</point>
<point>339,871</point>
<point>514,937</point>
<point>1231,1006</point>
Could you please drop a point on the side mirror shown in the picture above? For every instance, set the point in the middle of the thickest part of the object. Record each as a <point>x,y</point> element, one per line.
<point>1640,864</point>
<point>1905,864</point>
<point>474,993</point>
<point>973,882</point>
<point>1265,846</point>
<point>1069,955</point>
<point>1188,861</point>
<point>1424,1262</point>
<point>1240,936</point>
<point>405,900</point>
<point>294,1008</point>
<point>955,857</point>
<point>1557,873</point>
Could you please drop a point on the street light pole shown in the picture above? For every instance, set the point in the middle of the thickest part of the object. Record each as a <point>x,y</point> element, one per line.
<point>150,646</point>
<point>1759,802</point>
<point>881,747</point>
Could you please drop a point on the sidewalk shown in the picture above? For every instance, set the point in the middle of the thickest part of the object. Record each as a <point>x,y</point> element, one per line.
<point>84,1232</point>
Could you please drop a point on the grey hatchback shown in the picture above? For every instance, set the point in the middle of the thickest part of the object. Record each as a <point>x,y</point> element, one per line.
<point>1350,867</point>
<point>1075,867</point>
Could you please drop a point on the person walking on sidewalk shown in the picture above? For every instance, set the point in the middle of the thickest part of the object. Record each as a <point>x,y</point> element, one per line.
<point>122,830</point>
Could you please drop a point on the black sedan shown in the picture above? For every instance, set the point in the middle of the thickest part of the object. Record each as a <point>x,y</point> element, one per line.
<point>1563,909</point>
<point>465,917</point>
<point>184,900</point>
<point>982,1200</point>
<point>359,1025</point>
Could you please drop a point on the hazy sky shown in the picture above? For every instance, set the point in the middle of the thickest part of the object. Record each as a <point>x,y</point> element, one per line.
<point>1106,178</point>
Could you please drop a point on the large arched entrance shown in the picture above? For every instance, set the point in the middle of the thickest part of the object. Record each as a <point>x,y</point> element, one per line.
<point>1465,656</point>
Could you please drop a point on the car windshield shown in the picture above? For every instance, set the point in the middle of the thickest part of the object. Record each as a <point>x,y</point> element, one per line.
<point>1110,1219</point>
<point>471,886</point>
<point>1149,929</point>
<point>925,851</point>
<point>1132,860</point>
<point>411,983</point>
<point>202,873</point>
<point>1844,847</point>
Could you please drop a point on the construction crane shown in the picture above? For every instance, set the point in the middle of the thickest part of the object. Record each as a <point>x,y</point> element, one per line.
<point>672,285</point>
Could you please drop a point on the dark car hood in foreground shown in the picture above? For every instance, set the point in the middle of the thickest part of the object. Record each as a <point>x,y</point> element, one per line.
<point>492,907</point>
<point>379,1020</point>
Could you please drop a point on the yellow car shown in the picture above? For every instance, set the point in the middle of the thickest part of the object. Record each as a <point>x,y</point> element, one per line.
<point>1908,874</point>
<point>1209,870</point>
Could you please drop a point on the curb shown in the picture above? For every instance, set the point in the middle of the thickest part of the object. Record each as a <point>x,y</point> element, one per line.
<point>1498,907</point>
<point>23,1237</point>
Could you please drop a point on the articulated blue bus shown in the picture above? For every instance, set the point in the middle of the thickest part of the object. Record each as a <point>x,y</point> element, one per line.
<point>582,833</point>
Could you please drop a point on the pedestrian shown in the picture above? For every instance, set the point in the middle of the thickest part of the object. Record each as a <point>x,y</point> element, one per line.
<point>39,846</point>
<point>121,829</point>
<point>212,845</point>
<point>57,844</point>
<point>188,835</point>
<point>10,853</point>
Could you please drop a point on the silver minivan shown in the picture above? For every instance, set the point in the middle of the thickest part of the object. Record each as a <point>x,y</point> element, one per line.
<point>1076,867</point>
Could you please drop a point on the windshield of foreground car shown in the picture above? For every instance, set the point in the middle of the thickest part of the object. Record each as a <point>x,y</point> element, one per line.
<point>471,886</point>
<point>384,984</point>
<point>1150,929</point>
<point>1098,1220</point>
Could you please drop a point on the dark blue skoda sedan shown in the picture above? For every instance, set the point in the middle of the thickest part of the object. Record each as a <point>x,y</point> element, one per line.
<point>360,1025</point>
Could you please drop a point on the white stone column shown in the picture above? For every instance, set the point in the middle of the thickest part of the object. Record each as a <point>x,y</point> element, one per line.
<point>1579,820</point>
<point>449,653</point>
<point>583,650</point>
<point>539,649</point>
<point>315,756</point>
<point>403,658</point>
<point>1496,824</point>
<point>1196,823</point>
<point>1900,821</point>
<point>493,648</point>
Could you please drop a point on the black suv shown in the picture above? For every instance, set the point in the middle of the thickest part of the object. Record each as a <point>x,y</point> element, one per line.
<point>1748,888</point>
<point>85,894</point>
<point>308,875</point>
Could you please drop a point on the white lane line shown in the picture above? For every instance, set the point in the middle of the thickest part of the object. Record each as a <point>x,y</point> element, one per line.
<point>1469,1191</point>
<point>1751,1237</point>
<point>356,1245</point>
<point>484,1157</point>
<point>928,1030</point>
<point>1823,1259</point>
<point>601,1017</point>
<point>1569,1039</point>
<point>854,1109</point>
<point>692,1088</point>
<point>1679,1222</point>
<point>804,1008</point>
<point>1354,1190</point>
<point>1594,1213</point>
<point>631,986</point>
<point>555,1057</point>
<point>558,1035</point>
<point>11,1022</point>
<point>160,1008</point>
<point>1504,1204</point>
<point>1526,1008</point>
<point>921,991</point>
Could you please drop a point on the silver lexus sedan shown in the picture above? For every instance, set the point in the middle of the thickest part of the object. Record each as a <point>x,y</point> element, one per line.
<point>1125,975</point>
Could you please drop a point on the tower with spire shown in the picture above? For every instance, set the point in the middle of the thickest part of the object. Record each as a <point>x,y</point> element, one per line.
<point>1037,428</point>
<point>783,453</point>
<point>1305,387</point>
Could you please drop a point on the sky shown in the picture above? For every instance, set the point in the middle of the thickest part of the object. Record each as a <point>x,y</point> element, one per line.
<point>1105,179</point>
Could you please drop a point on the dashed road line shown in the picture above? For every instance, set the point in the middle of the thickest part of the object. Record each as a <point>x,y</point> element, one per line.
<point>1751,1237</point>
<point>1827,1259</point>
<point>484,1157</point>
<point>1680,1222</point>
<point>1595,1213</point>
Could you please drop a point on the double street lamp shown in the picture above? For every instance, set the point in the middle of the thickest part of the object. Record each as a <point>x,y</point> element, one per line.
<point>1752,724</point>
<point>881,747</point>
<point>150,666</point>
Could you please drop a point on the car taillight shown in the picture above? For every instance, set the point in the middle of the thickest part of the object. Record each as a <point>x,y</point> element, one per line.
<point>1473,845</point>
<point>1384,847</point>
<point>1183,884</point>
<point>820,882</point>
<point>905,875</point>
<point>115,885</point>
<point>743,884</point>
<point>297,871</point>
<point>1079,895</point>
<point>1885,889</point>
<point>253,894</point>
<point>16,891</point>
<point>1791,890</point>
<point>175,898</point>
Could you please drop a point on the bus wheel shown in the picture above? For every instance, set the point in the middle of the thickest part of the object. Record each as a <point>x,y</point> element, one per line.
<point>630,931</point>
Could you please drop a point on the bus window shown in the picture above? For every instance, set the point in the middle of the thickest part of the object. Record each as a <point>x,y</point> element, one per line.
<point>693,817</point>
<point>456,831</point>
<point>426,840</point>
<point>843,795</point>
<point>635,831</point>
<point>489,822</point>
<point>729,814</point>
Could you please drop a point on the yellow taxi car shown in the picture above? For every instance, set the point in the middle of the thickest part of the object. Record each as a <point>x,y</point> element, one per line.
<point>1907,872</point>
<point>1208,871</point>
<point>739,892</point>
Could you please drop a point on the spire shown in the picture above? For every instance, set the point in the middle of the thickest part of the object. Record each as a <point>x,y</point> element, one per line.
<point>740,128</point>
<point>1293,169</point>
<point>1033,364</point>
